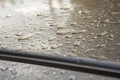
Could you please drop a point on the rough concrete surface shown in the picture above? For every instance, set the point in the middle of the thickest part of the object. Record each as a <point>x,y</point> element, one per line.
<point>73,28</point>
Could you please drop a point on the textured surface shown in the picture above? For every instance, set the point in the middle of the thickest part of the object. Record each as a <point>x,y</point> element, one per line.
<point>74,28</point>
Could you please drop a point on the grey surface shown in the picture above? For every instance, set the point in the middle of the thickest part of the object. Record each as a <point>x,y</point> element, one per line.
<point>19,71</point>
<point>74,28</point>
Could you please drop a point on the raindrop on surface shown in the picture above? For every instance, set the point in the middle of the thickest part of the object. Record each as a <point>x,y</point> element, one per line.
<point>13,71</point>
<point>54,73</point>
<point>52,38</point>
<point>80,12</point>
<point>3,68</point>
<point>19,34</point>
<point>62,72</point>
<point>45,72</point>
<point>76,43</point>
<point>25,37</point>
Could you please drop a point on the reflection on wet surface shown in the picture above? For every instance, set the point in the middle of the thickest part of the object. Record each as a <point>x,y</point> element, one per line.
<point>77,28</point>
<point>65,27</point>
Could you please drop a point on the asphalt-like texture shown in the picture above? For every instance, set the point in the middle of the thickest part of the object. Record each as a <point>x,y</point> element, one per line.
<point>72,28</point>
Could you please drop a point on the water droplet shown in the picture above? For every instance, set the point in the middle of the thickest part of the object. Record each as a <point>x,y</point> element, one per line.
<point>61,27</point>
<point>80,31</point>
<point>100,45</point>
<point>63,32</point>
<point>54,46</point>
<point>3,68</point>
<point>62,72</point>
<point>52,38</point>
<point>45,72</point>
<point>68,36</point>
<point>80,12</point>
<point>19,34</point>
<point>102,34</point>
<point>25,37</point>
<point>76,43</point>
<point>73,24</point>
<point>54,73</point>
<point>13,71</point>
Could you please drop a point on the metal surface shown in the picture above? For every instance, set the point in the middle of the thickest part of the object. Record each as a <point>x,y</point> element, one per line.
<point>75,64</point>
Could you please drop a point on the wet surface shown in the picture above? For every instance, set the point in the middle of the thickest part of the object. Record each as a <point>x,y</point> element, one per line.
<point>77,28</point>
<point>74,28</point>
